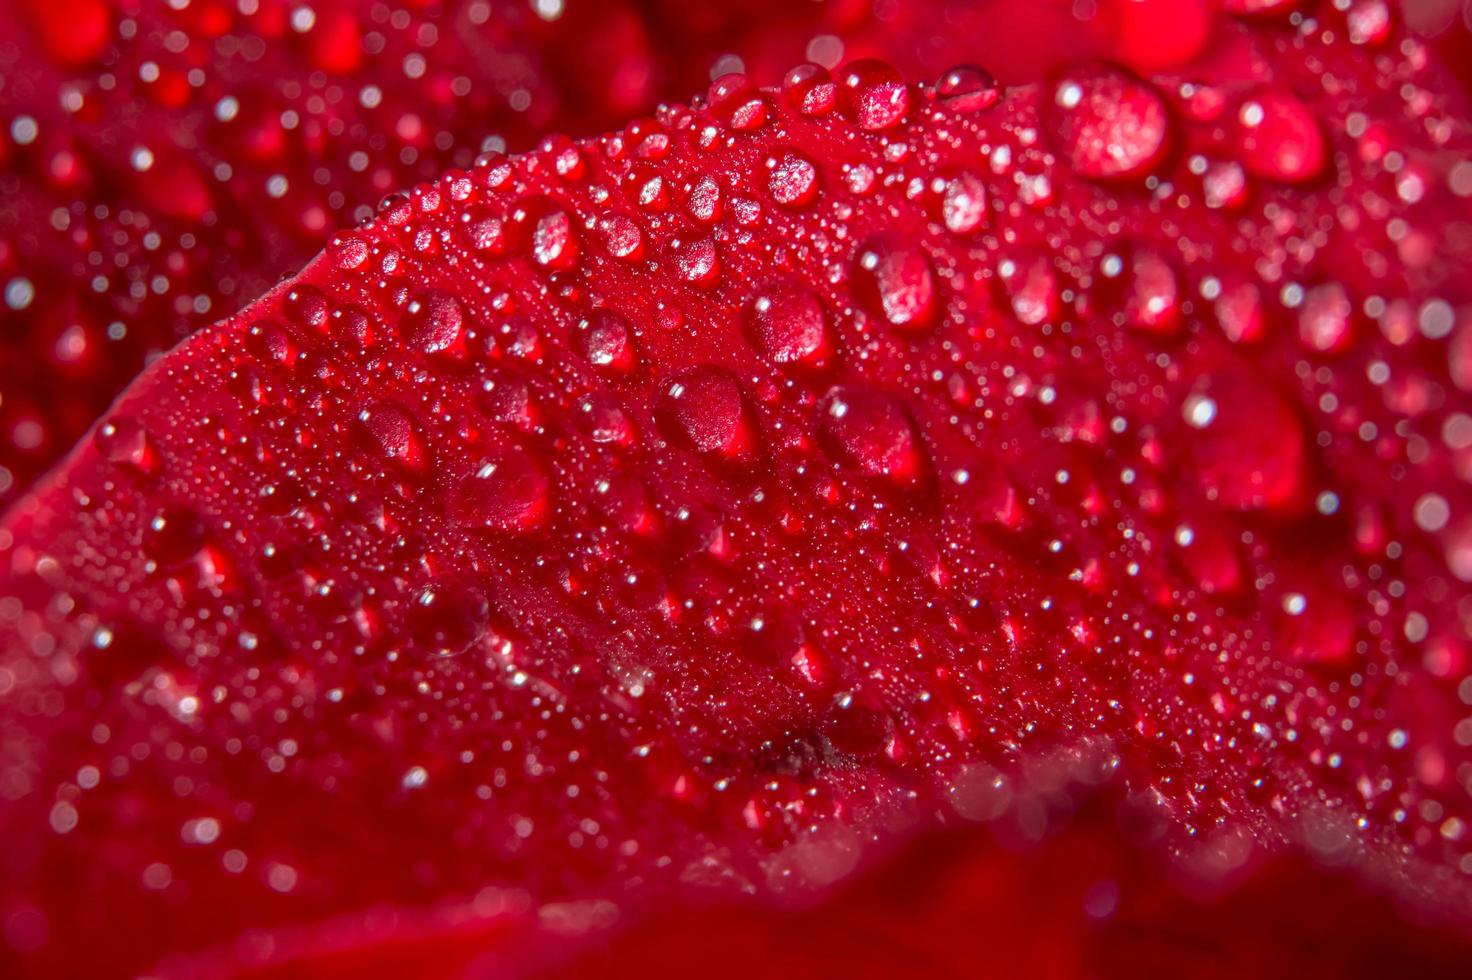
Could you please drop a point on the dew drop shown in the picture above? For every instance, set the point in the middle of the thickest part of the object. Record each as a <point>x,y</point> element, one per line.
<point>349,251</point>
<point>1109,125</point>
<point>871,432</point>
<point>1280,139</point>
<point>874,94</point>
<point>967,88</point>
<point>124,442</point>
<point>554,242</point>
<point>704,410</point>
<point>1326,319</point>
<point>792,179</point>
<point>391,433</point>
<point>1142,287</point>
<point>174,537</point>
<point>895,280</point>
<point>786,322</point>
<point>509,491</point>
<point>705,204</point>
<point>606,340</point>
<point>447,619</point>
<point>433,322</point>
<point>963,204</point>
<point>1251,448</point>
<point>811,89</point>
<point>698,262</point>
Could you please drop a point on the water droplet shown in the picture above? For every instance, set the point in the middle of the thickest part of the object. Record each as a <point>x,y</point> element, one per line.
<point>705,411</point>
<point>1251,448</point>
<point>963,203</point>
<point>704,204</point>
<point>1315,624</point>
<point>174,537</point>
<point>979,792</point>
<point>792,180</point>
<point>622,237</point>
<point>967,88</point>
<point>1251,7</point>
<point>1109,124</point>
<point>125,442</point>
<point>509,491</point>
<point>871,431</point>
<point>1142,286</point>
<point>857,726</point>
<point>554,242</point>
<point>605,420</point>
<point>607,340</point>
<point>786,322</point>
<point>699,262</point>
<point>1238,309</point>
<point>447,619</point>
<point>875,94</point>
<point>433,322</point>
<point>1031,285</point>
<point>349,251</point>
<point>1280,139</point>
<point>306,307</point>
<point>895,279</point>
<point>391,432</point>
<point>1326,319</point>
<point>811,89</point>
<point>484,232</point>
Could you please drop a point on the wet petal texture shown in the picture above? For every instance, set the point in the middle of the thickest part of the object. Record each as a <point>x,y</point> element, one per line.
<point>493,559</point>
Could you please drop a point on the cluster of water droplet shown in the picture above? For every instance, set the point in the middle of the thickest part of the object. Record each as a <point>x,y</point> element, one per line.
<point>799,458</point>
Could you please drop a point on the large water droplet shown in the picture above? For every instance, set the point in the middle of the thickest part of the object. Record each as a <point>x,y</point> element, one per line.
<point>811,89</point>
<point>554,242</point>
<point>123,441</point>
<point>433,323</point>
<point>1108,124</point>
<point>1251,449</point>
<point>963,203</point>
<point>1326,319</point>
<point>509,491</point>
<point>871,431</point>
<point>607,340</point>
<point>786,322</point>
<point>1280,139</point>
<point>875,94</point>
<point>1316,624</point>
<point>698,262</point>
<point>792,179</point>
<point>447,619</point>
<point>1141,285</point>
<point>857,726</point>
<point>704,410</point>
<point>895,279</point>
<point>1031,285</point>
<point>967,88</point>
<point>391,432</point>
<point>174,537</point>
